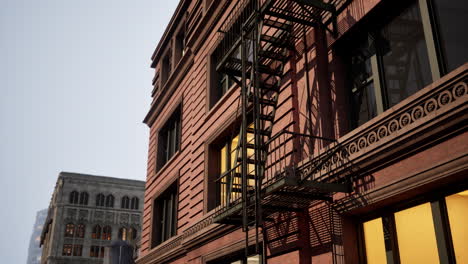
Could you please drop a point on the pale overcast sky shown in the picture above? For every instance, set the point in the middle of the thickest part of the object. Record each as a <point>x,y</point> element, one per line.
<point>75,85</point>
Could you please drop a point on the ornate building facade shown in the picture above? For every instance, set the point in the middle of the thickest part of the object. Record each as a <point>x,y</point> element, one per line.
<point>87,213</point>
<point>309,131</point>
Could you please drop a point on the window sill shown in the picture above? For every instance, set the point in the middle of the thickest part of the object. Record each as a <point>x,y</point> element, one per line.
<point>211,111</point>
<point>166,165</point>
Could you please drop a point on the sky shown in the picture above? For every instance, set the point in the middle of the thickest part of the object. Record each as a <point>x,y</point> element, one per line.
<point>75,85</point>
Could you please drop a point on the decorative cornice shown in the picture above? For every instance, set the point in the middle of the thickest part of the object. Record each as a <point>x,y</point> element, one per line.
<point>398,129</point>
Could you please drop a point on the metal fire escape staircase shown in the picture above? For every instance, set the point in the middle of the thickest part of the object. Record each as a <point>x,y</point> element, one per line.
<point>266,31</point>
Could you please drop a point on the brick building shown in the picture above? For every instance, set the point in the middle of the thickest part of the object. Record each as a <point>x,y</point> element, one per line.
<point>86,214</point>
<point>308,131</point>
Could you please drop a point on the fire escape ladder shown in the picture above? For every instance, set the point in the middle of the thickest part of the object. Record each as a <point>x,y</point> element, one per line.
<point>256,187</point>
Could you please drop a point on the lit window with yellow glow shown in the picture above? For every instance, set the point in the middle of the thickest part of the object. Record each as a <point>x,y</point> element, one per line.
<point>457,210</point>
<point>230,167</point>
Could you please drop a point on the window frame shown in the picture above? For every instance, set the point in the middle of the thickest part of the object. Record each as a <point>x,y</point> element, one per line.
<point>169,144</point>
<point>375,22</point>
<point>169,196</point>
<point>436,200</point>
<point>74,197</point>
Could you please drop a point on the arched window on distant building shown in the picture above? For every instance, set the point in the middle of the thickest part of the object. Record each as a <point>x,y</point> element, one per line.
<point>84,198</point>
<point>80,230</point>
<point>96,234</point>
<point>100,198</point>
<point>132,233</point>
<point>69,230</point>
<point>125,202</point>
<point>107,233</point>
<point>74,197</point>
<point>135,202</point>
<point>123,233</point>
<point>110,200</point>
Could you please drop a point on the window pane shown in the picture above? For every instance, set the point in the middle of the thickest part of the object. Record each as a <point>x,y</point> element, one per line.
<point>405,57</point>
<point>452,21</point>
<point>374,240</point>
<point>416,235</point>
<point>457,209</point>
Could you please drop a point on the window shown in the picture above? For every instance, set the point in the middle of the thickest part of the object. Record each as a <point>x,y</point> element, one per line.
<point>220,82</point>
<point>80,230</point>
<point>96,252</point>
<point>100,198</point>
<point>67,250</point>
<point>457,210</point>
<point>224,164</point>
<point>418,234</point>
<point>77,250</point>
<point>125,202</point>
<point>166,67</point>
<point>107,233</point>
<point>451,16</point>
<point>236,258</point>
<point>169,138</point>
<point>179,50</point>
<point>135,202</point>
<point>132,233</point>
<point>387,64</point>
<point>123,233</point>
<point>110,200</point>
<point>96,234</point>
<point>74,196</point>
<point>69,230</point>
<point>165,216</point>
<point>84,198</point>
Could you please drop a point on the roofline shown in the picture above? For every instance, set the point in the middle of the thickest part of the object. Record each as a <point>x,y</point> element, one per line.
<point>183,4</point>
<point>100,178</point>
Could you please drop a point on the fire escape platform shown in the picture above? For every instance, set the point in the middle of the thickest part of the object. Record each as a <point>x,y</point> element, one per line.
<point>285,194</point>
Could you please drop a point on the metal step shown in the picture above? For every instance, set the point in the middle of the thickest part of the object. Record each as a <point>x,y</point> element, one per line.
<point>259,131</point>
<point>269,70</point>
<point>276,24</point>
<point>272,55</point>
<point>277,42</point>
<point>263,101</point>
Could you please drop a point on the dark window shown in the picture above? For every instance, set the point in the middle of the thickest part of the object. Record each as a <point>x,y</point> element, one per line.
<point>70,230</point>
<point>74,196</point>
<point>110,200</point>
<point>179,46</point>
<point>107,233</point>
<point>452,20</point>
<point>132,233</point>
<point>220,81</point>
<point>166,68</point>
<point>96,234</point>
<point>67,250</point>
<point>84,198</point>
<point>405,58</point>
<point>100,199</point>
<point>135,202</point>
<point>169,138</point>
<point>165,216</point>
<point>125,202</point>
<point>77,250</point>
<point>80,230</point>
<point>386,64</point>
<point>96,252</point>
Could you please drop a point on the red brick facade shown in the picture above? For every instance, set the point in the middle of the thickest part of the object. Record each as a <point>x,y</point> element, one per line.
<point>412,150</point>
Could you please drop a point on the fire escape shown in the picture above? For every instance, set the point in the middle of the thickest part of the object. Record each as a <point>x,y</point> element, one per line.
<point>256,44</point>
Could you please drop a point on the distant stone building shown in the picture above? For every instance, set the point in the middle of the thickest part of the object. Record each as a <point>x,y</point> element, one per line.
<point>86,214</point>
<point>34,251</point>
